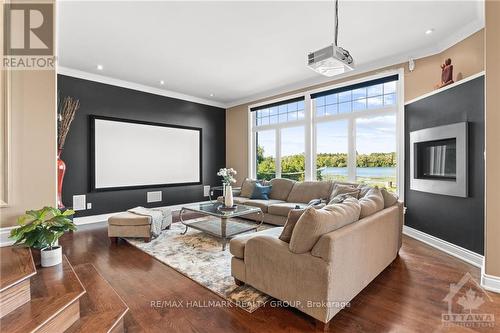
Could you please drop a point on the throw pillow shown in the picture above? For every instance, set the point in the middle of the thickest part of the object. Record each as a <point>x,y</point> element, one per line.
<point>261,192</point>
<point>389,198</point>
<point>314,223</point>
<point>291,221</point>
<point>371,203</point>
<point>363,189</point>
<point>341,197</point>
<point>247,187</point>
<point>344,189</point>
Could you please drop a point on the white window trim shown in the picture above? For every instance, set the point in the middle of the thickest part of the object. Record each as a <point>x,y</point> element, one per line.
<point>310,120</point>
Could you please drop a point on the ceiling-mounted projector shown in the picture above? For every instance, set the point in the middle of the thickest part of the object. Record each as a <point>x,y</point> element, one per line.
<point>330,61</point>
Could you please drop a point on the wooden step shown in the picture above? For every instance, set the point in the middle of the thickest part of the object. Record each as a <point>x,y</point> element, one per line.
<point>101,309</point>
<point>54,304</point>
<point>16,269</point>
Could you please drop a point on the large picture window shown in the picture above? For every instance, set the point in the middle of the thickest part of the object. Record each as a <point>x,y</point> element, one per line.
<point>347,133</point>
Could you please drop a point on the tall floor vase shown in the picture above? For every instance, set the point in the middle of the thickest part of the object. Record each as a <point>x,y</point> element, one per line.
<point>61,170</point>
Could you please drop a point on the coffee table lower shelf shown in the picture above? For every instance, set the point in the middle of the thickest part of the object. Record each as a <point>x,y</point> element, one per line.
<point>223,228</point>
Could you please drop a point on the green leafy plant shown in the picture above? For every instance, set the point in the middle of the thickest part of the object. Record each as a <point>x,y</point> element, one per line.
<point>42,228</point>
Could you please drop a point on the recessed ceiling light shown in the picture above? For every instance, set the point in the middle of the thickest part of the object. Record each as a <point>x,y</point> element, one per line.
<point>429,31</point>
<point>212,95</point>
<point>162,82</point>
<point>100,68</point>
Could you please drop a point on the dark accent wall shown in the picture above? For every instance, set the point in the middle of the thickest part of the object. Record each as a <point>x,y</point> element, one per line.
<point>107,100</point>
<point>457,220</point>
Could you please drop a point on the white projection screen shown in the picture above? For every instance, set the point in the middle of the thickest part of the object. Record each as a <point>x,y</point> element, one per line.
<point>133,154</point>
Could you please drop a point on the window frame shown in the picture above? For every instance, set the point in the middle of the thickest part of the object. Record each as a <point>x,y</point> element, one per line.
<point>311,119</point>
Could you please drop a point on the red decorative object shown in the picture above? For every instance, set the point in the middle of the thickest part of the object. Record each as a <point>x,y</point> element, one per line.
<point>446,74</point>
<point>61,170</point>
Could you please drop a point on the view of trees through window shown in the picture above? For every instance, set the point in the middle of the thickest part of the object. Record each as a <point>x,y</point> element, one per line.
<point>372,140</point>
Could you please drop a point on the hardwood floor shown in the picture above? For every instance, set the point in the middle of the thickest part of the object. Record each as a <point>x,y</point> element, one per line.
<point>406,297</point>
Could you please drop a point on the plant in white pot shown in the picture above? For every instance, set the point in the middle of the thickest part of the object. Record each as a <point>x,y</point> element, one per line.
<point>41,229</point>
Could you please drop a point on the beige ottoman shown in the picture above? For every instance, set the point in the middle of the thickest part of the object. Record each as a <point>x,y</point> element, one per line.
<point>129,225</point>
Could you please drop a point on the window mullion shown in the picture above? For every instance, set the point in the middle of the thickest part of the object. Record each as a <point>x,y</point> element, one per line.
<point>351,154</point>
<point>308,154</point>
<point>278,153</point>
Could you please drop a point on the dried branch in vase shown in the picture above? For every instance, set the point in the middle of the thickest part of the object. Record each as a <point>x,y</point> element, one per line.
<point>66,113</point>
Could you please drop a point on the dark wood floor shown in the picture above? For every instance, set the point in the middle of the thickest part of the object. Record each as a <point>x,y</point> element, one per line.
<point>406,297</point>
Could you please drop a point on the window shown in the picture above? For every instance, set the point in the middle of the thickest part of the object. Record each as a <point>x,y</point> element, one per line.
<point>266,154</point>
<point>376,151</point>
<point>348,133</point>
<point>275,114</point>
<point>293,159</point>
<point>331,150</point>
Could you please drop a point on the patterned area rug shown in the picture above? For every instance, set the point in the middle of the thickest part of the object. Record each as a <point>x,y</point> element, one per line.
<point>200,257</point>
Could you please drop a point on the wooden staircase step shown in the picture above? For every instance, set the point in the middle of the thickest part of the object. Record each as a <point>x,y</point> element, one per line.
<point>102,309</point>
<point>54,304</point>
<point>16,269</point>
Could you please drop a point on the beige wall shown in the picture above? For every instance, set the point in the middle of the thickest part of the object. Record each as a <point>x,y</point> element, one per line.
<point>467,57</point>
<point>492,229</point>
<point>33,133</point>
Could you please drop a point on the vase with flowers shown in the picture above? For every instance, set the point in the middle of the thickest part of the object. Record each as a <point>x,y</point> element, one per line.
<point>227,175</point>
<point>66,109</point>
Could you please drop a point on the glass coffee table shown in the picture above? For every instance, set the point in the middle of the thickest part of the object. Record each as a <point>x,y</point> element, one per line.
<point>222,228</point>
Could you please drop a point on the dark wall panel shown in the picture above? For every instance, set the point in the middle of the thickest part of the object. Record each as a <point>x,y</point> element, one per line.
<point>107,100</point>
<point>457,220</point>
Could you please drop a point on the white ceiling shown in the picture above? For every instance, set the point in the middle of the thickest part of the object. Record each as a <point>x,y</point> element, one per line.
<point>240,51</point>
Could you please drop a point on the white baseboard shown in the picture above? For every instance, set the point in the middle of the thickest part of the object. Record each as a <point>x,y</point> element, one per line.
<point>4,236</point>
<point>459,252</point>
<point>489,282</point>
<point>104,217</point>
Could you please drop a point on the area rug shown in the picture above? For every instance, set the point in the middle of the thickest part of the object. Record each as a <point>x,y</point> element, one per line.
<point>200,257</point>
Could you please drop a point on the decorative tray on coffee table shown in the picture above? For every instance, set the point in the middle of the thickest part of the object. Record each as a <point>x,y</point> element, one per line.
<point>223,208</point>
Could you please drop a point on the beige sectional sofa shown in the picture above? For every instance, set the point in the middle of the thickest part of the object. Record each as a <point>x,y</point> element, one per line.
<point>341,263</point>
<point>285,195</point>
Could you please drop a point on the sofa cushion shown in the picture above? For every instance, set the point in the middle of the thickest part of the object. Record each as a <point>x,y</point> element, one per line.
<point>283,208</point>
<point>291,221</point>
<point>304,192</point>
<point>390,198</point>
<point>127,218</point>
<point>316,222</point>
<point>262,204</point>
<point>237,244</point>
<point>281,188</point>
<point>371,203</point>
<point>247,187</point>
<point>339,189</point>
<point>261,192</point>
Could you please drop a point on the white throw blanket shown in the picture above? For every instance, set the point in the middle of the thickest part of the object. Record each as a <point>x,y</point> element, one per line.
<point>160,217</point>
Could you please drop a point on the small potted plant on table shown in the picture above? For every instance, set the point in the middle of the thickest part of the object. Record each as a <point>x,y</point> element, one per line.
<point>41,229</point>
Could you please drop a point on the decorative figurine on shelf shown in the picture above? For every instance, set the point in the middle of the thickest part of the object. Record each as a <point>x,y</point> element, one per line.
<point>446,74</point>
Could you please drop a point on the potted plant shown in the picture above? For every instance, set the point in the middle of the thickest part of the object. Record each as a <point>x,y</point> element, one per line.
<point>41,229</point>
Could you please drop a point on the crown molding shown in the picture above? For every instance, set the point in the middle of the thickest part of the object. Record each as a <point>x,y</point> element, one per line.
<point>394,60</point>
<point>135,86</point>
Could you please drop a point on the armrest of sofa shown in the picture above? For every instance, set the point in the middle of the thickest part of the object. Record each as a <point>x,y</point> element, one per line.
<point>368,237</point>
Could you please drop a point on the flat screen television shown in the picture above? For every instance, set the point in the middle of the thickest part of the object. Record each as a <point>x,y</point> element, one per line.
<point>128,154</point>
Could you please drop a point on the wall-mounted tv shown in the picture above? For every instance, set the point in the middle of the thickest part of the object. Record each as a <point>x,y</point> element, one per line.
<point>129,154</point>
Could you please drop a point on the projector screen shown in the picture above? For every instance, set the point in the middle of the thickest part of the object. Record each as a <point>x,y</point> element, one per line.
<point>133,154</point>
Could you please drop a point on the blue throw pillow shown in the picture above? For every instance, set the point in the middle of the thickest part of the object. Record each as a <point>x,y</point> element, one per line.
<point>261,192</point>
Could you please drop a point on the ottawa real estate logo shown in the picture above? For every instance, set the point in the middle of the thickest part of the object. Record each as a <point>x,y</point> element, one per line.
<point>465,299</point>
